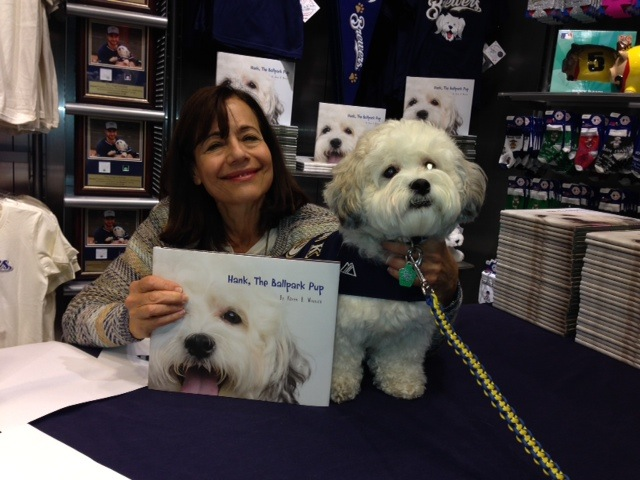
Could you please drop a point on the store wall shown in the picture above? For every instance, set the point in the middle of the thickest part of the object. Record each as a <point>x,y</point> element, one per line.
<point>315,81</point>
<point>528,45</point>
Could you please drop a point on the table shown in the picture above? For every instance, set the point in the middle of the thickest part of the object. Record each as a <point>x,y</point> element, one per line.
<point>581,405</point>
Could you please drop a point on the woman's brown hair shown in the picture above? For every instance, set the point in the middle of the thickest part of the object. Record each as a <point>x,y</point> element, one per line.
<point>194,219</point>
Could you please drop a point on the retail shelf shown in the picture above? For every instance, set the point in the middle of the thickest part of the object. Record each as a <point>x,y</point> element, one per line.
<point>125,203</point>
<point>113,15</point>
<point>622,100</point>
<point>107,111</point>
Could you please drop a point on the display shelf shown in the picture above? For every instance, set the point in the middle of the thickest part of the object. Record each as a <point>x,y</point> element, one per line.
<point>126,203</point>
<point>622,100</point>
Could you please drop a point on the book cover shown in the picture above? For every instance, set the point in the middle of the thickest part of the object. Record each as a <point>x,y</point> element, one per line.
<point>256,327</point>
<point>269,81</point>
<point>339,127</point>
<point>444,102</point>
<point>583,58</point>
<point>571,219</point>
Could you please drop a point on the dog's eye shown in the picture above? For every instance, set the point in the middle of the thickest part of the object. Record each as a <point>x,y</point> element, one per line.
<point>412,102</point>
<point>252,85</point>
<point>232,317</point>
<point>326,129</point>
<point>429,165</point>
<point>390,172</point>
<point>435,102</point>
<point>348,131</point>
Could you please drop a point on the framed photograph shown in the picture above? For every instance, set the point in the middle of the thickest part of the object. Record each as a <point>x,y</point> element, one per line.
<point>143,6</point>
<point>115,64</point>
<point>104,234</point>
<point>113,157</point>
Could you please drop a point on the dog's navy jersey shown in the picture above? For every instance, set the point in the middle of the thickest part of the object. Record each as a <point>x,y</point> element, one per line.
<point>359,276</point>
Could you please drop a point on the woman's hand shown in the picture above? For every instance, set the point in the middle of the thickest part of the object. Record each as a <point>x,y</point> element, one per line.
<point>438,266</point>
<point>152,303</point>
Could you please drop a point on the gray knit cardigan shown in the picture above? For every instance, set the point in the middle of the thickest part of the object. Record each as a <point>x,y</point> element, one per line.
<point>97,316</point>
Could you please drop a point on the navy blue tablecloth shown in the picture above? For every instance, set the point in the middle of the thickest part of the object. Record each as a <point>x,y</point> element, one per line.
<point>582,406</point>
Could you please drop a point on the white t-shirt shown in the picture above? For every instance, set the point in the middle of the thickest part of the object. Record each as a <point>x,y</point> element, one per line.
<point>35,259</point>
<point>28,82</point>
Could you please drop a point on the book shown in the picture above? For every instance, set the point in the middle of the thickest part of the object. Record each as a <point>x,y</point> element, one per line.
<point>256,327</point>
<point>583,58</point>
<point>270,81</point>
<point>444,102</point>
<point>540,256</point>
<point>339,127</point>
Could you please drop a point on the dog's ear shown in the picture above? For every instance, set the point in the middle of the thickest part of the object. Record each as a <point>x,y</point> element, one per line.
<point>290,371</point>
<point>456,121</point>
<point>474,185</point>
<point>343,194</point>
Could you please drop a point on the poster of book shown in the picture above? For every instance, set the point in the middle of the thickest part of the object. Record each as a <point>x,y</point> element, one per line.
<point>269,81</point>
<point>339,127</point>
<point>583,59</point>
<point>443,102</point>
<point>256,327</point>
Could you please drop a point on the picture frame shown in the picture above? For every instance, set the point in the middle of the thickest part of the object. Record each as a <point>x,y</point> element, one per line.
<point>116,62</point>
<point>143,6</point>
<point>95,255</point>
<point>113,162</point>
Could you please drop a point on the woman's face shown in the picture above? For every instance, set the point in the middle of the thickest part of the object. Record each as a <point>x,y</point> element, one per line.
<point>237,170</point>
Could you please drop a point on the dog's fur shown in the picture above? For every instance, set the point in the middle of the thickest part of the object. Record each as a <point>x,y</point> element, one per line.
<point>122,147</point>
<point>435,107</point>
<point>336,136</point>
<point>257,83</point>
<point>125,57</point>
<point>243,347</point>
<point>404,179</point>
<point>450,27</point>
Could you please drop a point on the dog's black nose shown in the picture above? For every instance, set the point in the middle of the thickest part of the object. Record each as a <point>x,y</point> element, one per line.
<point>200,345</point>
<point>420,186</point>
<point>335,143</point>
<point>422,114</point>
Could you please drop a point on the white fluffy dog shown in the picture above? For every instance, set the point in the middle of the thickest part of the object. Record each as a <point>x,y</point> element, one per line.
<point>336,135</point>
<point>405,179</point>
<point>226,345</point>
<point>435,107</point>
<point>122,148</point>
<point>126,58</point>
<point>450,27</point>
<point>257,83</point>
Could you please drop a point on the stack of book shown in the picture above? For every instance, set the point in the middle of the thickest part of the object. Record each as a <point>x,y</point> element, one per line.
<point>609,315</point>
<point>308,164</point>
<point>539,262</point>
<point>467,143</point>
<point>288,138</point>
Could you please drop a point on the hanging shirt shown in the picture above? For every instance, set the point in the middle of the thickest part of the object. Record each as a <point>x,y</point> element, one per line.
<point>28,82</point>
<point>35,259</point>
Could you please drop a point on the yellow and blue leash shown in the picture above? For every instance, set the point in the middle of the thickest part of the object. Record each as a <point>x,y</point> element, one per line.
<point>490,389</point>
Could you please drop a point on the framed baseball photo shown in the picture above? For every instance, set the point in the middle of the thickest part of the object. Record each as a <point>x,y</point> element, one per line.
<point>115,64</point>
<point>113,157</point>
<point>104,234</point>
<point>142,6</point>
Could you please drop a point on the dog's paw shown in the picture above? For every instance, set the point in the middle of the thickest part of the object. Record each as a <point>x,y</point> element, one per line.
<point>409,385</point>
<point>344,389</point>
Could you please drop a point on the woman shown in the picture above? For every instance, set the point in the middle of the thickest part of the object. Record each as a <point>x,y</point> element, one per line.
<point>225,187</point>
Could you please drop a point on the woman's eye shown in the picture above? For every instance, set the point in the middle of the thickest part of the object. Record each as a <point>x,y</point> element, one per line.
<point>232,317</point>
<point>213,146</point>
<point>390,172</point>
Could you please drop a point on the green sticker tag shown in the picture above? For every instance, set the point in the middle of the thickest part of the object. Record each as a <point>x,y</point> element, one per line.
<point>407,275</point>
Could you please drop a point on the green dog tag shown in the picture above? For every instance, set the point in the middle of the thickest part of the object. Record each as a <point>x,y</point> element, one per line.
<point>407,275</point>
